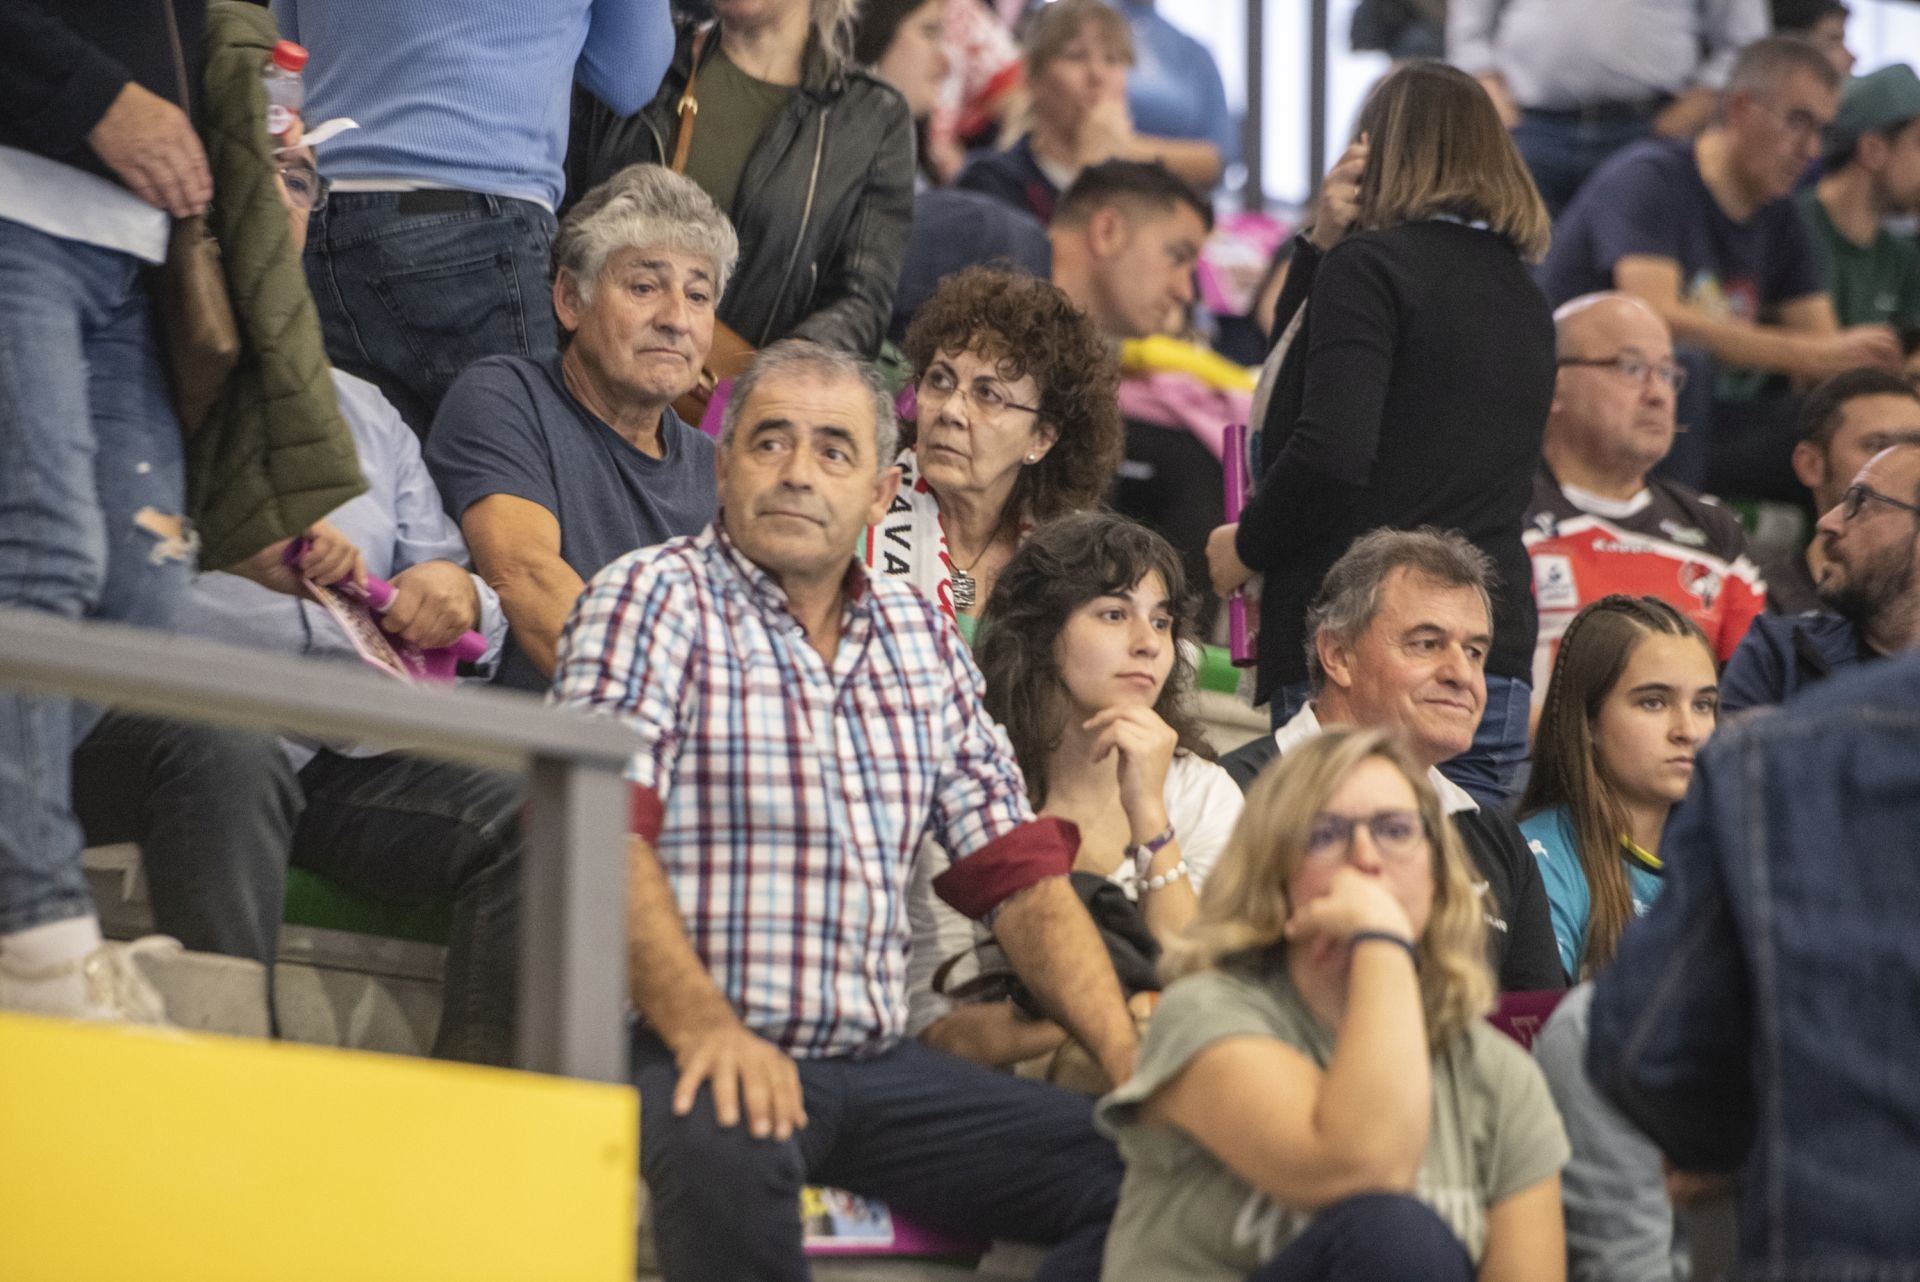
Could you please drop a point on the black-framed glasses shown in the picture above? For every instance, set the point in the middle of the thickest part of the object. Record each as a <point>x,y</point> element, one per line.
<point>987,396</point>
<point>1857,495</point>
<point>305,187</point>
<point>1634,367</point>
<point>1397,834</point>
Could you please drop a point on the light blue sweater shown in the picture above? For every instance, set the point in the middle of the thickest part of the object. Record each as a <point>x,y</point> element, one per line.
<point>471,94</point>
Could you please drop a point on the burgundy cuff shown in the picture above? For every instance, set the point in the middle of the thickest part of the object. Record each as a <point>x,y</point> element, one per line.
<point>1008,864</point>
<point>645,813</point>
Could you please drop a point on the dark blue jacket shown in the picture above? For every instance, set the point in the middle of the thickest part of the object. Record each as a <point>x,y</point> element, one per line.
<point>1766,1013</point>
<point>1783,654</point>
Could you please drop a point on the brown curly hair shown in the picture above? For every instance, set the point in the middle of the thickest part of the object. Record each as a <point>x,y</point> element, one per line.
<point>1026,326</point>
<point>1062,566</point>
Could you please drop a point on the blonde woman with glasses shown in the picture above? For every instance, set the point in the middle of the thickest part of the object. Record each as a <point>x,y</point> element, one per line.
<point>1318,1098</point>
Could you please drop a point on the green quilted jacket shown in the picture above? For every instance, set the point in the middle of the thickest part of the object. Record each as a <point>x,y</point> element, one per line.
<point>274,455</point>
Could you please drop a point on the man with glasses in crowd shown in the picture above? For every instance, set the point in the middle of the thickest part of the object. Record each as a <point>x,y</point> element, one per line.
<point>1601,522</point>
<point>1869,581</point>
<point>1706,231</point>
<point>1844,422</point>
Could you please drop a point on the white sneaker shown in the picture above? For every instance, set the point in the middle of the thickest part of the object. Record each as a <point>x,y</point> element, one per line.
<point>106,984</point>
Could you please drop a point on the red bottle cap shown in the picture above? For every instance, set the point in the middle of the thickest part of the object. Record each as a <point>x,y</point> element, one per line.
<point>289,56</point>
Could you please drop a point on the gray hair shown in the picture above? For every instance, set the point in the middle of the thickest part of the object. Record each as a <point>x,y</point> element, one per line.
<point>1763,67</point>
<point>799,357</point>
<point>1349,596</point>
<point>644,205</point>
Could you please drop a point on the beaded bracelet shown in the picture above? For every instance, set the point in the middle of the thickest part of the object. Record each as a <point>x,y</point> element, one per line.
<point>1387,936</point>
<point>1165,879</point>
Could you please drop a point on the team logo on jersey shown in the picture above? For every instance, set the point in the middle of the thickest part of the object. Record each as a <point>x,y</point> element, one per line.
<point>1702,582</point>
<point>1553,584</point>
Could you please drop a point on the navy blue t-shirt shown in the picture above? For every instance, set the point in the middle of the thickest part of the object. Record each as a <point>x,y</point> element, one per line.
<point>1650,200</point>
<point>508,425</point>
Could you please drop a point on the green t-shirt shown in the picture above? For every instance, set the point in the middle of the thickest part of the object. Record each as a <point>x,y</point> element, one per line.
<point>1878,285</point>
<point>1183,1214</point>
<point>735,109</point>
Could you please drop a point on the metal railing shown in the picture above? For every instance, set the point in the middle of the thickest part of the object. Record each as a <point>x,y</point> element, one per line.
<point>573,911</point>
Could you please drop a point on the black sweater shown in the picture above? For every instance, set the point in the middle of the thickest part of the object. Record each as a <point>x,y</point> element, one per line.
<point>1414,395</point>
<point>58,75</point>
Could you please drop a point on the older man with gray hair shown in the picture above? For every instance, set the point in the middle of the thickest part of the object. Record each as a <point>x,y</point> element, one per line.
<point>556,466</point>
<point>1397,638</point>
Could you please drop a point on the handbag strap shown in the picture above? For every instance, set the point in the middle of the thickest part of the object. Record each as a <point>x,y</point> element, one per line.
<point>179,59</point>
<point>689,105</point>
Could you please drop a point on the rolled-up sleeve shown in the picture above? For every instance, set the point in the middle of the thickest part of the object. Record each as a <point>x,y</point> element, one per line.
<point>980,811</point>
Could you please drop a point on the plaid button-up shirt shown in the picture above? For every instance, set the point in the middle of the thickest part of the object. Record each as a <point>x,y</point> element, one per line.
<point>786,797</point>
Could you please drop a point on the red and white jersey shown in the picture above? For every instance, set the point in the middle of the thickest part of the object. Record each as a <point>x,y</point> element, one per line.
<point>1666,542</point>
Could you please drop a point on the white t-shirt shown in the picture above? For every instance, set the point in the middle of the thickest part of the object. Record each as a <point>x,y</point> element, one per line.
<point>1203,804</point>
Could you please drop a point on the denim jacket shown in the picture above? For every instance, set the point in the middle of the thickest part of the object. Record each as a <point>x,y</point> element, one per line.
<point>1766,1013</point>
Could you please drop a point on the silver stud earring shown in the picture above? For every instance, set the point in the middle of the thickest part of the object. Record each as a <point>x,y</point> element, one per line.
<point>1033,458</point>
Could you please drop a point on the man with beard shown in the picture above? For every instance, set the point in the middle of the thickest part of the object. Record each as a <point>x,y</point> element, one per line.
<point>1871,544</point>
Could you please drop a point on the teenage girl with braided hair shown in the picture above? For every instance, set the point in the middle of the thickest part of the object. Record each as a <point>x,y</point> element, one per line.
<point>1634,695</point>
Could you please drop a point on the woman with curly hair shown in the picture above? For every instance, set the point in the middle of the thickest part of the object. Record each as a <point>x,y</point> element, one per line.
<point>1016,421</point>
<point>1318,1098</point>
<point>1082,648</point>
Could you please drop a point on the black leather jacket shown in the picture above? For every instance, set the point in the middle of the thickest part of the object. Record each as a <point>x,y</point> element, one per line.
<point>823,208</point>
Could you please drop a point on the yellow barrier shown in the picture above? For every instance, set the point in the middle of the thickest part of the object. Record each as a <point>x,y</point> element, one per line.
<point>130,1155</point>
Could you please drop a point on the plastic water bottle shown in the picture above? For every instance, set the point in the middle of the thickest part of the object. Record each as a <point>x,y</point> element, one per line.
<point>286,94</point>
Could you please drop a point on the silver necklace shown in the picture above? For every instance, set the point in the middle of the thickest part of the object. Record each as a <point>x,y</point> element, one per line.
<point>965,590</point>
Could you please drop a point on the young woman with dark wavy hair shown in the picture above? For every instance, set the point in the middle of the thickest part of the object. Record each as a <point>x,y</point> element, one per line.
<point>1082,650</point>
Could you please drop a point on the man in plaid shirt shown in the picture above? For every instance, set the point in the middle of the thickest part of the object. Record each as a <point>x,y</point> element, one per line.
<point>803,725</point>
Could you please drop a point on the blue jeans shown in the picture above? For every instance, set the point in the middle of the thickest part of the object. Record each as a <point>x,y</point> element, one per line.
<point>91,523</point>
<point>1488,767</point>
<point>219,814</point>
<point>1373,1237</point>
<point>954,1146</point>
<point>413,287</point>
<point>1561,150</point>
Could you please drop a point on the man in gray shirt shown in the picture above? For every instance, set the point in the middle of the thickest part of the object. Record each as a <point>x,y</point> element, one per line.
<point>1579,80</point>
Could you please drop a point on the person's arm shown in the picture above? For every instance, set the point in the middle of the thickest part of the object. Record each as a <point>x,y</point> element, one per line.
<point>1619,1223</point>
<point>854,301</point>
<point>1526,1239</point>
<point>54,85</point>
<point>674,993</point>
<point>1012,869</point>
<point>516,549</point>
<point>1056,950</point>
<point>1198,160</point>
<point>1806,343</point>
<point>1324,466</point>
<point>628,49</point>
<point>1670,1038</point>
<point>1304,1137</point>
<point>996,1034</point>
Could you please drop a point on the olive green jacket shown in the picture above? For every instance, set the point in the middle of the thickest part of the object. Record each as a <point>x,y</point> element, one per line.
<point>274,454</point>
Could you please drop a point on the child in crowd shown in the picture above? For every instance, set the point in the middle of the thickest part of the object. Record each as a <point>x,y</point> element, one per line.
<point>1634,695</point>
<point>1318,1096</point>
<point>1082,650</point>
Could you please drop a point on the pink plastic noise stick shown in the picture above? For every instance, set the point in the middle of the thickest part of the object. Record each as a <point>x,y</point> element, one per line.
<point>435,664</point>
<point>1234,467</point>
